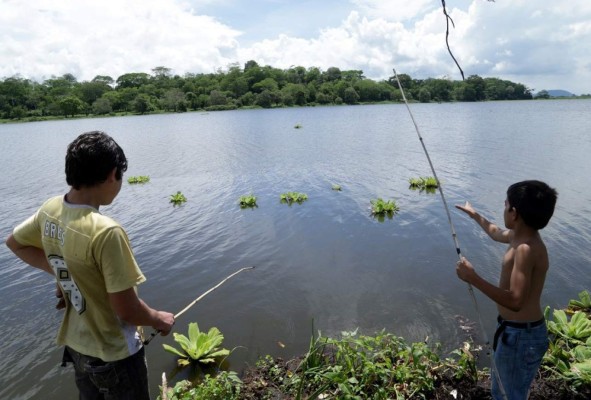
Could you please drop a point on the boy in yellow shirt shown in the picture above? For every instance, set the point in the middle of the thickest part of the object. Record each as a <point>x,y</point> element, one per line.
<point>90,256</point>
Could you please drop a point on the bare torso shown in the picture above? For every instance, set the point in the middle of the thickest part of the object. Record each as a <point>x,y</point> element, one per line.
<point>534,273</point>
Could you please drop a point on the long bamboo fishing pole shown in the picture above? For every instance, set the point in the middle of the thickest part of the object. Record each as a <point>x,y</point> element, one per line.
<point>191,304</point>
<point>454,235</point>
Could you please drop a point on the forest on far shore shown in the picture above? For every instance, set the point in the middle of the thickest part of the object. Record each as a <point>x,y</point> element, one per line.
<point>235,87</point>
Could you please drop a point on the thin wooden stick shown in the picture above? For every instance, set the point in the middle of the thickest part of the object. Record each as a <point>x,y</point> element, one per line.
<point>153,334</point>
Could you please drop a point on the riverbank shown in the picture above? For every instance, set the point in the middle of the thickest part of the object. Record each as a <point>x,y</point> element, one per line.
<point>384,366</point>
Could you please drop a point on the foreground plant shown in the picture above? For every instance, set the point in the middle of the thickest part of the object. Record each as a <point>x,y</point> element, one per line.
<point>582,304</point>
<point>223,386</point>
<point>138,179</point>
<point>291,197</point>
<point>248,201</point>
<point>569,355</point>
<point>178,198</point>
<point>199,346</point>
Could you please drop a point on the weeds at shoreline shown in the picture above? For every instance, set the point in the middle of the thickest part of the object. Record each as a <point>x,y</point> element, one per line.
<point>384,366</point>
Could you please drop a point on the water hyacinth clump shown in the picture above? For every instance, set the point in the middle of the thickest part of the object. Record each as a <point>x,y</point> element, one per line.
<point>248,201</point>
<point>380,206</point>
<point>178,198</point>
<point>428,183</point>
<point>132,180</point>
<point>293,197</point>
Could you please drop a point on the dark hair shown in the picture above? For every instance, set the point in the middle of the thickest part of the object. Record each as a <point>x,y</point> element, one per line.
<point>90,158</point>
<point>534,202</point>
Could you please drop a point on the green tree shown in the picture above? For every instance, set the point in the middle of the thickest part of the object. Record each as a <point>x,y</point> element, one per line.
<point>102,106</point>
<point>142,104</point>
<point>71,106</point>
<point>89,92</point>
<point>542,94</point>
<point>269,84</point>
<point>424,95</point>
<point>350,96</point>
<point>174,100</point>
<point>132,80</point>
<point>217,98</point>
<point>104,79</point>
<point>477,86</point>
<point>264,99</point>
<point>297,92</point>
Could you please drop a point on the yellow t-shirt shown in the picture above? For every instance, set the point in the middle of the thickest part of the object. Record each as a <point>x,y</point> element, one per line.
<point>91,257</point>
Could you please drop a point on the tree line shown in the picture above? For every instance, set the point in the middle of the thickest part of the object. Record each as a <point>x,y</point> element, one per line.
<point>235,87</point>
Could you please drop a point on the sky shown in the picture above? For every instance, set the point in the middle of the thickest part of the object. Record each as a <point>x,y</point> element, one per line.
<point>543,44</point>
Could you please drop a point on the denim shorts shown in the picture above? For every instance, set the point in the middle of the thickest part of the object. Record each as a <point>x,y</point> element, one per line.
<point>96,379</point>
<point>517,358</point>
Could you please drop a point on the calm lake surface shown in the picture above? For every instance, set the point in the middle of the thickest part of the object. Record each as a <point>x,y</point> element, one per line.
<point>325,265</point>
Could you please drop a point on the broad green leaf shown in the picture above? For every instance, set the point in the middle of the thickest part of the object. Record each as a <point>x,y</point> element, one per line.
<point>172,350</point>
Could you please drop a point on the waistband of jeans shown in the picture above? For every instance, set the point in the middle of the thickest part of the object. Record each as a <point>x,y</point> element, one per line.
<point>520,325</point>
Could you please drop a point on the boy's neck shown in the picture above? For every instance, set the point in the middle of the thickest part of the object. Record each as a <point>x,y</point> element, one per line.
<point>84,196</point>
<point>523,231</point>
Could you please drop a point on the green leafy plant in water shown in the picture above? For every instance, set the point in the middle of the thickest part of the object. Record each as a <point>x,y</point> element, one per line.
<point>569,354</point>
<point>426,183</point>
<point>336,187</point>
<point>298,126</point>
<point>199,346</point>
<point>248,201</point>
<point>293,197</point>
<point>577,329</point>
<point>178,198</point>
<point>380,206</point>
<point>583,304</point>
<point>138,179</point>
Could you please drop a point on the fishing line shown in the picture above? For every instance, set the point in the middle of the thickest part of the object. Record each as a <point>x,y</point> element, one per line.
<point>454,236</point>
<point>191,304</point>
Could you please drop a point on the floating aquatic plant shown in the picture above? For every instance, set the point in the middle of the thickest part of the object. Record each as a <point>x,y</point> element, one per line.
<point>291,197</point>
<point>380,206</point>
<point>199,346</point>
<point>336,187</point>
<point>138,179</point>
<point>428,183</point>
<point>248,201</point>
<point>178,198</point>
<point>298,126</point>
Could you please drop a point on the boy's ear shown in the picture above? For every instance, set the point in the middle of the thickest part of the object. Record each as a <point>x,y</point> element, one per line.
<point>514,214</point>
<point>112,175</point>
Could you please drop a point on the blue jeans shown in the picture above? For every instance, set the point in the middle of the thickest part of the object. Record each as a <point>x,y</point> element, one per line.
<point>96,379</point>
<point>517,358</point>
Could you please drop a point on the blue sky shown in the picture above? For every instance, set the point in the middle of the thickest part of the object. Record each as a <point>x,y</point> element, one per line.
<point>543,44</point>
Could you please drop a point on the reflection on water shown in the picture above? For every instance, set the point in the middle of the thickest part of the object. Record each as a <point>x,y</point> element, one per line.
<point>326,264</point>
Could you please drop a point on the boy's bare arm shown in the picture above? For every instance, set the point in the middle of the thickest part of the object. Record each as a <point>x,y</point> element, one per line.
<point>515,297</point>
<point>492,230</point>
<point>131,309</point>
<point>33,256</point>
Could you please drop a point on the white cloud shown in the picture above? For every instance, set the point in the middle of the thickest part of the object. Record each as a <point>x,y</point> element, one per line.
<point>89,38</point>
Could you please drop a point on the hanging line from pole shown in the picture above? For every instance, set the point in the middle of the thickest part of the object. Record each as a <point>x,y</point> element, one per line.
<point>454,236</point>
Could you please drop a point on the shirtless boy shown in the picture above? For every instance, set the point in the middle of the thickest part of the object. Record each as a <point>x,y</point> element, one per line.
<point>521,339</point>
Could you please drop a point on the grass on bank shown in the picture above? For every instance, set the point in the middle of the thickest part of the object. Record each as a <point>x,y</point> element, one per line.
<point>384,366</point>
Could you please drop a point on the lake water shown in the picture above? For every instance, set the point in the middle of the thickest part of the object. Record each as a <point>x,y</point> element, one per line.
<point>325,265</point>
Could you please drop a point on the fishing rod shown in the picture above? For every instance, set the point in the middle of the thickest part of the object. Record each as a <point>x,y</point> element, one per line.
<point>191,304</point>
<point>454,236</point>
